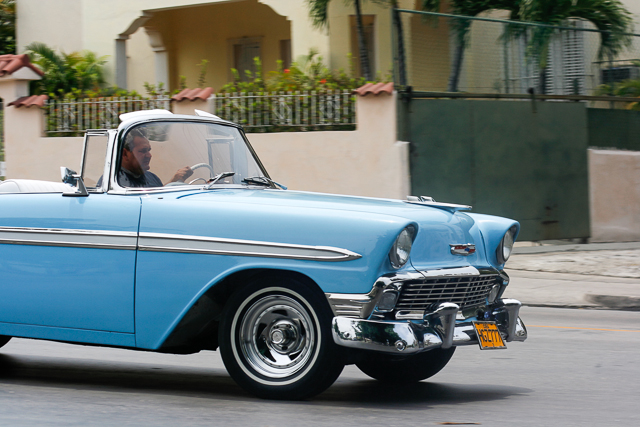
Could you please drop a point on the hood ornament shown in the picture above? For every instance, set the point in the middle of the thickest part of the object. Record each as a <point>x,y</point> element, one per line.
<point>429,201</point>
<point>464,249</point>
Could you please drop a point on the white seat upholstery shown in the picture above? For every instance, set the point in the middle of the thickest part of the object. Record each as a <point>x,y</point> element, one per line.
<point>32,186</point>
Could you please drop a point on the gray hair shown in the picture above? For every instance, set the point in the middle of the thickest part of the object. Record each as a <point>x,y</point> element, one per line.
<point>128,140</point>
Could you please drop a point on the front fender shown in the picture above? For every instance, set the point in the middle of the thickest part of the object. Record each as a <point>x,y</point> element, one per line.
<point>493,229</point>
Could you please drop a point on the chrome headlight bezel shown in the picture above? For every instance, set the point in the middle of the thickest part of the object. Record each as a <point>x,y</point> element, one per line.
<point>505,248</point>
<point>401,249</point>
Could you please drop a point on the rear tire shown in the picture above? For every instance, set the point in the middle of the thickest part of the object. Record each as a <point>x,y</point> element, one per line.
<point>276,342</point>
<point>404,370</point>
<point>3,340</point>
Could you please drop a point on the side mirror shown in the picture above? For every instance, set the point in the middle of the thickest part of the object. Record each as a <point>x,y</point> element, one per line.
<point>72,178</point>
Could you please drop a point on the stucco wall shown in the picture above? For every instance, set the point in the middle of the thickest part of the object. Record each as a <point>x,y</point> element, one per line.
<point>204,32</point>
<point>42,157</point>
<point>366,162</point>
<point>614,187</point>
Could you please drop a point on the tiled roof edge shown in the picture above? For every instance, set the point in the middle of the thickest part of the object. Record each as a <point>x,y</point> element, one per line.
<point>30,101</point>
<point>375,89</point>
<point>9,64</point>
<point>193,94</point>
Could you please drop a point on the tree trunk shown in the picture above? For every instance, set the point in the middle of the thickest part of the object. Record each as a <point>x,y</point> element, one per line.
<point>542,81</point>
<point>362,46</point>
<point>402,71</point>
<point>456,67</point>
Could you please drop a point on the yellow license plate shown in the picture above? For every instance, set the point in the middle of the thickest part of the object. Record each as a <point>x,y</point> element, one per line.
<point>489,337</point>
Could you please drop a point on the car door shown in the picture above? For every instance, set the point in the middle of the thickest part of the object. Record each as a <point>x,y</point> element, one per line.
<point>68,262</point>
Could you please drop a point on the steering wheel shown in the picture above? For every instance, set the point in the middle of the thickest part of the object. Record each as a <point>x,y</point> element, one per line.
<point>194,167</point>
<point>204,165</point>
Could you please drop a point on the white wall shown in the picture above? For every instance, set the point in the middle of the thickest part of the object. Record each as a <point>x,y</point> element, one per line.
<point>614,191</point>
<point>365,162</point>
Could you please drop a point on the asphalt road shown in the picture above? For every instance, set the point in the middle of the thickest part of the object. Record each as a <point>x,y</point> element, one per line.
<point>578,368</point>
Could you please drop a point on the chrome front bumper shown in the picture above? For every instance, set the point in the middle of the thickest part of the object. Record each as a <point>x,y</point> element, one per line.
<point>439,328</point>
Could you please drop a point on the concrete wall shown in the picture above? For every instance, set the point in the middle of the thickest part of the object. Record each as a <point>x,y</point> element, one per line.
<point>366,162</point>
<point>614,190</point>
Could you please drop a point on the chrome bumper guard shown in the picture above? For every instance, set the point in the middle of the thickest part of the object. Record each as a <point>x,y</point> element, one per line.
<point>439,328</point>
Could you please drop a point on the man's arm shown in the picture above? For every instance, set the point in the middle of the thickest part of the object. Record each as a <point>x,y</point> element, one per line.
<point>182,174</point>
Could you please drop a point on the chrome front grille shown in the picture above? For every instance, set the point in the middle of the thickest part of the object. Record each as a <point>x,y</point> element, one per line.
<point>462,290</point>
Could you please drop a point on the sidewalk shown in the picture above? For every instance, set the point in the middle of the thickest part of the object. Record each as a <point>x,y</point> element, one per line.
<point>597,275</point>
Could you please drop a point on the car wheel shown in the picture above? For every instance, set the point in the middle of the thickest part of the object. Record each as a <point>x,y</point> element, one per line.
<point>4,340</point>
<point>409,369</point>
<point>276,342</point>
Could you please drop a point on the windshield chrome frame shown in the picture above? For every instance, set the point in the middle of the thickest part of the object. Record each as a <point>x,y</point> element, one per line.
<point>115,147</point>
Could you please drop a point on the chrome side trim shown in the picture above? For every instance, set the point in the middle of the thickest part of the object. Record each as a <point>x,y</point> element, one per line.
<point>159,242</point>
<point>99,239</point>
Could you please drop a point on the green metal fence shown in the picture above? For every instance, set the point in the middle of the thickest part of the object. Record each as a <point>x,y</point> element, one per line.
<point>499,56</point>
<point>504,158</point>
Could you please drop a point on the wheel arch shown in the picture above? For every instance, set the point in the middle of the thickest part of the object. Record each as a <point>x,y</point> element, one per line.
<point>197,329</point>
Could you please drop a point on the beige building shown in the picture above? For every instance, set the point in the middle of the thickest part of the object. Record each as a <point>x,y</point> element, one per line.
<point>164,40</point>
<point>161,40</point>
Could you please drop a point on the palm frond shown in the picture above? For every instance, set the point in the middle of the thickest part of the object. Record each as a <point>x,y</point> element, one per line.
<point>318,11</point>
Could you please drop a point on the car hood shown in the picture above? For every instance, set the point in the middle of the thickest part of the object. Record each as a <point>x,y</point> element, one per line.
<point>303,199</point>
<point>367,226</point>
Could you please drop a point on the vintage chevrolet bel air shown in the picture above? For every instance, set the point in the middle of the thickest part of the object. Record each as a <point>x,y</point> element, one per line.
<point>173,238</point>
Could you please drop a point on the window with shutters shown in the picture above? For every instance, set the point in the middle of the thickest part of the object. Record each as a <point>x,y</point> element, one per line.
<point>565,72</point>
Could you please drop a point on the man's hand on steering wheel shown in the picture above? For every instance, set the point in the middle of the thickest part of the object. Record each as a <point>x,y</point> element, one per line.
<point>182,174</point>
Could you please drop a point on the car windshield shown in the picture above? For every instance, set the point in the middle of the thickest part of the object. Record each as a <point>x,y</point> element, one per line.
<point>162,153</point>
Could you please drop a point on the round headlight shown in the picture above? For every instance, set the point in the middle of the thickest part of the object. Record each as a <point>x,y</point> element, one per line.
<point>506,245</point>
<point>401,249</point>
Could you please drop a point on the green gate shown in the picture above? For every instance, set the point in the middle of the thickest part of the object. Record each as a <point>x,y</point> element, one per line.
<point>519,159</point>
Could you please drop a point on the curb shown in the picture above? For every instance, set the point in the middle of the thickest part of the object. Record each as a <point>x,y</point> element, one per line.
<point>614,302</point>
<point>575,247</point>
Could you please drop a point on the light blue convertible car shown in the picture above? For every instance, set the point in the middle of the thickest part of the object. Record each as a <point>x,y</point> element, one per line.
<point>173,238</point>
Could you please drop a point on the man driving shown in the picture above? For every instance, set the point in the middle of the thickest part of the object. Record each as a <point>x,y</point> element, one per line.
<point>136,162</point>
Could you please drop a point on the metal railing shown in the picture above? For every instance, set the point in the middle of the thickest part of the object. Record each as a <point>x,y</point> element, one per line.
<point>257,112</point>
<point>71,117</point>
<point>288,111</point>
<point>498,56</point>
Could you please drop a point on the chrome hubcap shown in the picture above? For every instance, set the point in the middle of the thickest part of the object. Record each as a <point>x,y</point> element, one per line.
<point>277,336</point>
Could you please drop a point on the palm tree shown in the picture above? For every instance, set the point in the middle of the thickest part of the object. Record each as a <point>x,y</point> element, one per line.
<point>461,27</point>
<point>65,72</point>
<point>318,11</point>
<point>610,16</point>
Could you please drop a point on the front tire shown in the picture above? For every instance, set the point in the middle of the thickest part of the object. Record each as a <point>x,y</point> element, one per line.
<point>404,370</point>
<point>276,342</point>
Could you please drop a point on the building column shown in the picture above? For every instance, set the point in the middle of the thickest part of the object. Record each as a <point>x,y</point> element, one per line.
<point>161,57</point>
<point>121,61</point>
<point>121,49</point>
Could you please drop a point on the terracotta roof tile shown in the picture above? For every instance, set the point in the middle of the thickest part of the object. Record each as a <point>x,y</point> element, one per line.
<point>30,101</point>
<point>193,94</point>
<point>9,64</point>
<point>375,89</point>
